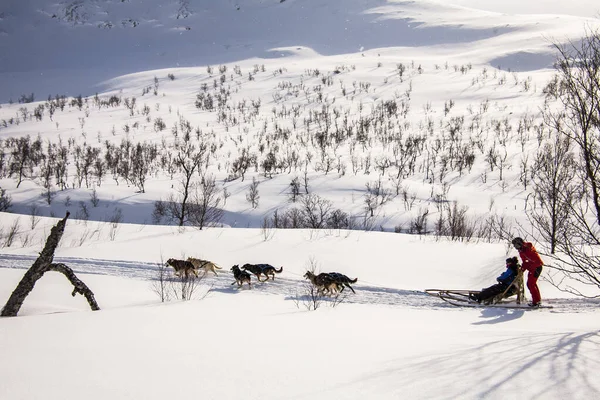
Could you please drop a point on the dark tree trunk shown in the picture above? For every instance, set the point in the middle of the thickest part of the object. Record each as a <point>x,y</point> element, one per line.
<point>39,268</point>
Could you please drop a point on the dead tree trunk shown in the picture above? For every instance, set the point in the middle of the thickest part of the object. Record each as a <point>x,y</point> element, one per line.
<point>78,285</point>
<point>39,268</point>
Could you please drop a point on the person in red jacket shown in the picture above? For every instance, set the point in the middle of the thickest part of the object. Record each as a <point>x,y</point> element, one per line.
<point>533,264</point>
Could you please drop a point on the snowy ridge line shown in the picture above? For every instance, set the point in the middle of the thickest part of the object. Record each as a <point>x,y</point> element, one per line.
<point>291,289</point>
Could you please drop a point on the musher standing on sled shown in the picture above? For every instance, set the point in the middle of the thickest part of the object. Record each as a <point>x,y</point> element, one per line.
<point>533,264</point>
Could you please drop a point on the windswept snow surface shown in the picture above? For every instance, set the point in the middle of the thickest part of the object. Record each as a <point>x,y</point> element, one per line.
<point>389,340</point>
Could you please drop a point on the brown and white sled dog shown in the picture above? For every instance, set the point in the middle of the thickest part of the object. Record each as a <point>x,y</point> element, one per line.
<point>182,267</point>
<point>207,266</point>
<point>323,282</point>
<point>262,269</point>
<point>241,277</point>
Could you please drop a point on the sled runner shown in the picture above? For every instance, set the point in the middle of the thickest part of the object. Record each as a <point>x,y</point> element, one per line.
<point>460,298</point>
<point>466,297</point>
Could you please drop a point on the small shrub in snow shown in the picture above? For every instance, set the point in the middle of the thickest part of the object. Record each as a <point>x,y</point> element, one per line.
<point>252,195</point>
<point>11,234</point>
<point>26,98</point>
<point>94,198</point>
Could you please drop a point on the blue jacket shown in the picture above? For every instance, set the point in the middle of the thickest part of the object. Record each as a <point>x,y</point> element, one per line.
<point>507,277</point>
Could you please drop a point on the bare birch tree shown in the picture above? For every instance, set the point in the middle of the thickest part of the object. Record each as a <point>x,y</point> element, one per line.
<point>42,265</point>
<point>576,87</point>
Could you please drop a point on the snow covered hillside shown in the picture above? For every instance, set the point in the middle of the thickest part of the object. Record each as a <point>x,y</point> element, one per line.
<point>71,47</point>
<point>386,112</point>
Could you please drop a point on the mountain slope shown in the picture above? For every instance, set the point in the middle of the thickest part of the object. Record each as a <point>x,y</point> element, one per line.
<point>390,110</point>
<point>71,47</point>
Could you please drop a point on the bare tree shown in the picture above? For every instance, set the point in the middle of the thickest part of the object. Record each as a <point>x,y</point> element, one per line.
<point>419,223</point>
<point>3,159</point>
<point>371,202</point>
<point>60,169</point>
<point>267,230</point>
<point>294,189</point>
<point>252,195</point>
<point>554,191</point>
<point>315,211</point>
<point>142,156</point>
<point>11,234</point>
<point>5,200</point>
<point>242,163</point>
<point>579,93</point>
<point>206,205</point>
<point>42,265</point>
<point>130,104</point>
<point>160,283</point>
<point>25,155</point>
<point>339,219</point>
<point>47,172</point>
<point>184,287</point>
<point>188,160</point>
<point>577,88</point>
<point>457,223</point>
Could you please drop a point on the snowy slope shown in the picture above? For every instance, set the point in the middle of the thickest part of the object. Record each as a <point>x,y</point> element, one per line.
<point>71,47</point>
<point>481,68</point>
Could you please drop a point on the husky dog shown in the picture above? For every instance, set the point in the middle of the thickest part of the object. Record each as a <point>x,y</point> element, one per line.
<point>262,269</point>
<point>182,267</point>
<point>342,280</point>
<point>323,282</point>
<point>241,277</point>
<point>207,266</point>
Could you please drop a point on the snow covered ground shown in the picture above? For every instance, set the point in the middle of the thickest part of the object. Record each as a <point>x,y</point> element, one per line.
<point>389,340</point>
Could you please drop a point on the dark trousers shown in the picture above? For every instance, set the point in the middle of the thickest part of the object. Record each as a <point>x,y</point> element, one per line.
<point>491,291</point>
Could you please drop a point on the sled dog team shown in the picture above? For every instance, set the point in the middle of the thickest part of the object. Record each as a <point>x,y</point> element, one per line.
<point>331,283</point>
<point>326,283</point>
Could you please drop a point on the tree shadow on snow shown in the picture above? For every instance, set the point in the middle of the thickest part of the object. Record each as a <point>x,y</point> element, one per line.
<point>564,361</point>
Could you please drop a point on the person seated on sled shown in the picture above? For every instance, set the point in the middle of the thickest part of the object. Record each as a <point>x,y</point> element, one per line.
<point>504,281</point>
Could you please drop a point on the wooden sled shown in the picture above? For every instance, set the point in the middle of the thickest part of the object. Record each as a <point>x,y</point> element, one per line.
<point>463,297</point>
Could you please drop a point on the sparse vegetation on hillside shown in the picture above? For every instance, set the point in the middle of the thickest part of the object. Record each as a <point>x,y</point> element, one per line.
<point>318,123</point>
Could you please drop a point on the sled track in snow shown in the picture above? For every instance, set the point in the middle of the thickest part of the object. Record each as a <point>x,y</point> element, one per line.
<point>292,288</point>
